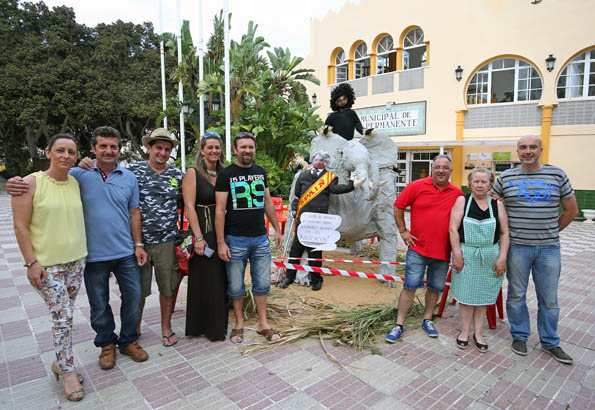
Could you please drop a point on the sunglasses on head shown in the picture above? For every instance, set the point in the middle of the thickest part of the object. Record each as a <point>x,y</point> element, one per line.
<point>244,134</point>
<point>212,135</point>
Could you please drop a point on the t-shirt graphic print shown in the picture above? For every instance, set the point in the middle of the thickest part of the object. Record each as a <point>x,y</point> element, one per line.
<point>245,199</point>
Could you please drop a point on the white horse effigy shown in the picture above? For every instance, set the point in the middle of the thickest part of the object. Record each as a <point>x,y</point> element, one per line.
<point>367,212</point>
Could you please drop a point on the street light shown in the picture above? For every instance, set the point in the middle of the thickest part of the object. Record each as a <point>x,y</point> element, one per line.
<point>459,73</point>
<point>185,107</point>
<point>549,62</point>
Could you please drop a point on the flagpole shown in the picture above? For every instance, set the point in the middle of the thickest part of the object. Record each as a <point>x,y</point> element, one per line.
<point>181,91</point>
<point>227,89</point>
<point>162,55</point>
<point>201,100</point>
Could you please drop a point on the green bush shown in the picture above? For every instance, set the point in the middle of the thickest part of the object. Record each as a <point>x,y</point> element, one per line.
<point>279,179</point>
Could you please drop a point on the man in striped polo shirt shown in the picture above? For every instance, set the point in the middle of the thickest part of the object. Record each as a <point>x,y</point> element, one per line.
<point>533,194</point>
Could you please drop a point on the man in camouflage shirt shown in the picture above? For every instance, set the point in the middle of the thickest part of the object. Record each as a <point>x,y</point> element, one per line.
<point>160,186</point>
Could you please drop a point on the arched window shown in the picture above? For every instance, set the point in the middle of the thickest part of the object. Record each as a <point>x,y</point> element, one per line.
<point>362,61</point>
<point>504,80</point>
<point>341,67</point>
<point>577,80</point>
<point>414,49</point>
<point>386,56</point>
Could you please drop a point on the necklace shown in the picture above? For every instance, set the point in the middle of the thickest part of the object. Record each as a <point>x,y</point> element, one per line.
<point>212,173</point>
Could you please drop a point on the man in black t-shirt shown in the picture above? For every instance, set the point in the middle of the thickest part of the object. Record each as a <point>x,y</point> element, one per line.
<point>242,199</point>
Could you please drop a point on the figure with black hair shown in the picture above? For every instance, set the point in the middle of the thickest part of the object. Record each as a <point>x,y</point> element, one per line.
<point>343,120</point>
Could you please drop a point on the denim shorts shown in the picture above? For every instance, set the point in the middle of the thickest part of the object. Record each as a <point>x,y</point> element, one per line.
<point>257,249</point>
<point>415,267</point>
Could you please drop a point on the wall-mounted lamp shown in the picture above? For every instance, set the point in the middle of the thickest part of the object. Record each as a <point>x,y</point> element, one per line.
<point>549,62</point>
<point>314,99</point>
<point>459,73</point>
<point>185,107</point>
<point>389,105</point>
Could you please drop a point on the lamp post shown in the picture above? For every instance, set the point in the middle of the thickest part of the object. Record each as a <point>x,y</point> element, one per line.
<point>185,107</point>
<point>459,73</point>
<point>549,62</point>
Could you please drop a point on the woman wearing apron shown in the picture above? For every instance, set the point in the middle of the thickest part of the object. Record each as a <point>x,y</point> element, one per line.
<point>479,239</point>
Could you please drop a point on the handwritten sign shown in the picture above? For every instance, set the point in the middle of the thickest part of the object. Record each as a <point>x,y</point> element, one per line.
<point>319,231</point>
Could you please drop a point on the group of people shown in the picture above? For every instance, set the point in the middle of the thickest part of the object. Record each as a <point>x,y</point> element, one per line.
<point>508,226</point>
<point>87,222</point>
<point>97,219</point>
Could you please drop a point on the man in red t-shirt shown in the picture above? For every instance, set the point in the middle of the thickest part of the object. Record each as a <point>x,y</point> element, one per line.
<point>431,200</point>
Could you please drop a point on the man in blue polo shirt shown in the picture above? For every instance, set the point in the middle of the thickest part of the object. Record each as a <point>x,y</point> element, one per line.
<point>110,199</point>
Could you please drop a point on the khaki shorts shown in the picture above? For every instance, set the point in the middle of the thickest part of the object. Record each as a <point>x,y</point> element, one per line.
<point>160,256</point>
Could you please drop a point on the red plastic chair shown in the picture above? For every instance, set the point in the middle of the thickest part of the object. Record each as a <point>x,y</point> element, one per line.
<point>182,265</point>
<point>490,312</point>
<point>281,211</point>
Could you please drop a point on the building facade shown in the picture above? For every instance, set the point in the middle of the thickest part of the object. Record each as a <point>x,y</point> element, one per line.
<point>468,78</point>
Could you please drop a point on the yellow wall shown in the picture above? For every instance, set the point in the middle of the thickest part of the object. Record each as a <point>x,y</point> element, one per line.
<point>573,149</point>
<point>466,33</point>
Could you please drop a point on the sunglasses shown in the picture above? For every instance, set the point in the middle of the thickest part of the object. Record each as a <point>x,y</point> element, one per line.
<point>244,134</point>
<point>212,135</point>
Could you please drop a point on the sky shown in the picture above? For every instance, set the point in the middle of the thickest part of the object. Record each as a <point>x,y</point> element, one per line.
<point>282,23</point>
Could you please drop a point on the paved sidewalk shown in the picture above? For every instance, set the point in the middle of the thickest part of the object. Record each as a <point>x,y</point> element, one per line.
<point>418,373</point>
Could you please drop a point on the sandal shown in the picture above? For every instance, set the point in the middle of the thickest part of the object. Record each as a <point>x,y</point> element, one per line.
<point>169,343</point>
<point>238,334</point>
<point>268,334</point>
<point>462,344</point>
<point>480,347</point>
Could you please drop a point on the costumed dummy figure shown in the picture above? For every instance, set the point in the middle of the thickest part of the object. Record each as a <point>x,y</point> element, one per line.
<point>316,184</point>
<point>343,120</point>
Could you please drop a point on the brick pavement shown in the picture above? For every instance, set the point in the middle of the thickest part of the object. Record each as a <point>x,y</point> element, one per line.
<point>418,373</point>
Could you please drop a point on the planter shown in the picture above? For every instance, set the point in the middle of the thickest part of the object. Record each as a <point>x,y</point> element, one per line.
<point>589,215</point>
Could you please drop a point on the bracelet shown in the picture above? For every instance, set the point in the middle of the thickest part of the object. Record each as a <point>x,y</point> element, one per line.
<point>142,245</point>
<point>28,265</point>
<point>401,231</point>
<point>198,238</point>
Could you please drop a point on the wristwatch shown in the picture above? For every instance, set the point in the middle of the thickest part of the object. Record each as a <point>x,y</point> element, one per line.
<point>402,230</point>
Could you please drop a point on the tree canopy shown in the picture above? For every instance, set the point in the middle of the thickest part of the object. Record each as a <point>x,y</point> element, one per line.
<point>60,76</point>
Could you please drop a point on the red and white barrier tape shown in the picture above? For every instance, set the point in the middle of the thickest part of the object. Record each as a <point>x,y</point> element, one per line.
<point>340,260</point>
<point>340,272</point>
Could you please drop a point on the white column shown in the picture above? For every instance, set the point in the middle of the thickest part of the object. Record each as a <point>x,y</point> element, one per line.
<point>201,100</point>
<point>227,90</point>
<point>162,54</point>
<point>181,91</point>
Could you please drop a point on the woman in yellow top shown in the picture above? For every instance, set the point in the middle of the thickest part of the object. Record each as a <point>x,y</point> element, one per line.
<point>50,230</point>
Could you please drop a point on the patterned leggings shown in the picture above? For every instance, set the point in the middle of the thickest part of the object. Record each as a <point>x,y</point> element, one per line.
<point>59,291</point>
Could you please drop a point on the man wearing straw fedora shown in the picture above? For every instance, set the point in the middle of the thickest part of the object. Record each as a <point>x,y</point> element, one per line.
<point>160,186</point>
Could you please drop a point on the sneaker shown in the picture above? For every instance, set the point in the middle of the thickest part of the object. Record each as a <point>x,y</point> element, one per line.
<point>519,347</point>
<point>558,354</point>
<point>429,327</point>
<point>395,334</point>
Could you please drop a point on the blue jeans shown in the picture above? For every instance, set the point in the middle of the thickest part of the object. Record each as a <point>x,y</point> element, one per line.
<point>102,319</point>
<point>544,262</point>
<point>415,268</point>
<point>257,249</point>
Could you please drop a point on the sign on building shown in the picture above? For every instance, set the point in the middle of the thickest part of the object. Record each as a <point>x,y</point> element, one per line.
<point>395,119</point>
